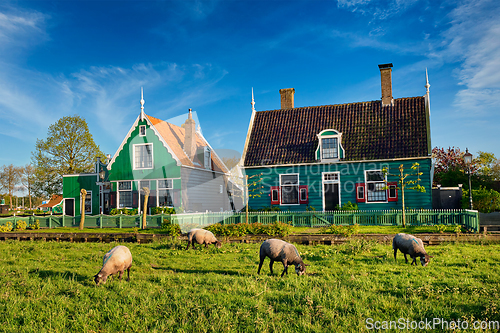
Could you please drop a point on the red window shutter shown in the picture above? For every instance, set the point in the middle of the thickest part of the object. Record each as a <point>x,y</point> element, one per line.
<point>392,191</point>
<point>112,199</point>
<point>275,195</point>
<point>360,192</point>
<point>135,199</point>
<point>303,194</point>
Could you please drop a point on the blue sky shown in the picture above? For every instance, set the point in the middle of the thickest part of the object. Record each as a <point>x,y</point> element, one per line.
<point>91,58</point>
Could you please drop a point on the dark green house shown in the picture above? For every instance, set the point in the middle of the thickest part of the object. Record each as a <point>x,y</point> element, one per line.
<point>176,164</point>
<point>322,157</point>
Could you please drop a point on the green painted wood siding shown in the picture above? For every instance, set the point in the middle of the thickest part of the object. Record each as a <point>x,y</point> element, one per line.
<point>72,186</point>
<point>350,174</point>
<point>164,165</point>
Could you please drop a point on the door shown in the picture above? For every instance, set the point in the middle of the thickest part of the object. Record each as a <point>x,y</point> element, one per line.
<point>69,207</point>
<point>331,195</point>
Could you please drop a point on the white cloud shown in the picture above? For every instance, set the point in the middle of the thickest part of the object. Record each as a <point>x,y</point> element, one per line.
<point>21,29</point>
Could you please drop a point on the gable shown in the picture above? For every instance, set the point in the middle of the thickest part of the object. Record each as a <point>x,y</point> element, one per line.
<point>369,132</point>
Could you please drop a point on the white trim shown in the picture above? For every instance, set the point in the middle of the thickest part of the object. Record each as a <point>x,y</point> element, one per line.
<point>88,195</point>
<point>340,149</point>
<point>323,182</point>
<point>339,162</point>
<point>118,193</point>
<point>82,174</point>
<point>366,188</point>
<point>134,167</point>
<point>298,189</point>
<point>140,130</point>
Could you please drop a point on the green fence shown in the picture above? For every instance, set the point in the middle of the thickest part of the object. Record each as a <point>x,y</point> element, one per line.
<point>466,218</point>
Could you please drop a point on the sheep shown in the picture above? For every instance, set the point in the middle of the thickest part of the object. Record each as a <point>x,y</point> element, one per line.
<point>202,236</point>
<point>411,245</point>
<point>117,260</point>
<point>278,250</point>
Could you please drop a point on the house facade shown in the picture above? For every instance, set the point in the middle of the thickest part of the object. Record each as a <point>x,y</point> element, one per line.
<point>176,164</point>
<point>322,157</point>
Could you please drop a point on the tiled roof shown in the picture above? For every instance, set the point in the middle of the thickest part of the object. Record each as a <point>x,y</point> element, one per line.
<point>369,132</point>
<point>54,201</point>
<point>174,137</point>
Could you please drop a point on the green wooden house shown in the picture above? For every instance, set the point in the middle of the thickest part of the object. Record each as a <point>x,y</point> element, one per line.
<point>323,157</point>
<point>175,163</point>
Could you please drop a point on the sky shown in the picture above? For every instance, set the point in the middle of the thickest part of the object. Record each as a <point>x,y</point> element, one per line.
<point>91,58</point>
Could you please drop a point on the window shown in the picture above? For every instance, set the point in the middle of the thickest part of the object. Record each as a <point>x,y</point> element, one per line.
<point>303,194</point>
<point>125,194</point>
<point>375,187</point>
<point>207,158</point>
<point>165,192</point>
<point>392,188</point>
<point>143,156</point>
<point>88,202</point>
<point>142,130</point>
<point>289,188</point>
<point>329,148</point>
<point>275,195</point>
<point>360,192</point>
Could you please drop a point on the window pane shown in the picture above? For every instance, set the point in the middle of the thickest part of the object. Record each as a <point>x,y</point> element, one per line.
<point>376,192</point>
<point>330,176</point>
<point>143,156</point>
<point>329,148</point>
<point>303,194</point>
<point>144,183</point>
<point>124,186</point>
<point>274,195</point>
<point>392,191</point>
<point>289,179</point>
<point>165,198</point>
<point>165,183</point>
<point>125,199</point>
<point>289,195</point>
<point>374,176</point>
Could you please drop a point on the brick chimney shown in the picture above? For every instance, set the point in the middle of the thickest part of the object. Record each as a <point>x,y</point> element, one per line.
<point>190,136</point>
<point>287,98</point>
<point>386,79</point>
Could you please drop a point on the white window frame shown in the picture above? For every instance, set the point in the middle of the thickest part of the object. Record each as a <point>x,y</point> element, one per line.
<point>136,167</point>
<point>207,158</point>
<point>119,205</point>
<point>330,181</point>
<point>160,188</point>
<point>294,185</point>
<point>367,192</point>
<point>88,196</point>
<point>142,129</point>
<point>337,136</point>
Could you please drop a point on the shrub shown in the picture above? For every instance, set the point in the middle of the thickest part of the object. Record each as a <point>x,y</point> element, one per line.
<point>35,225</point>
<point>344,230</point>
<point>484,200</point>
<point>124,211</point>
<point>21,225</point>
<point>170,228</point>
<point>440,228</point>
<point>163,210</point>
<point>241,229</point>
<point>7,227</point>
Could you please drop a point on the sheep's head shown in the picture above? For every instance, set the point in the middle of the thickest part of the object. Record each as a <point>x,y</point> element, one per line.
<point>425,259</point>
<point>100,278</point>
<point>300,269</point>
<point>218,244</point>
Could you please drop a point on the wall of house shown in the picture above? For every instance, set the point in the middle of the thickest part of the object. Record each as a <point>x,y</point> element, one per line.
<point>349,175</point>
<point>72,184</point>
<point>164,165</point>
<point>201,190</point>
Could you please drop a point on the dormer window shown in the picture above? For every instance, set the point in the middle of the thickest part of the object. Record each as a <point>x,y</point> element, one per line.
<point>329,148</point>
<point>207,158</point>
<point>142,130</point>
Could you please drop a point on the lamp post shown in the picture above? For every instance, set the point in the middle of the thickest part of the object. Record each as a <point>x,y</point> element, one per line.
<point>468,162</point>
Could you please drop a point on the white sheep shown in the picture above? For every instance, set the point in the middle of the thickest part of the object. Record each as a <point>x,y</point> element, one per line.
<point>411,245</point>
<point>202,236</point>
<point>117,260</point>
<point>278,250</point>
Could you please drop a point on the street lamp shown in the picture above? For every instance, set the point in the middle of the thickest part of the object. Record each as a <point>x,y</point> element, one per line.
<point>468,162</point>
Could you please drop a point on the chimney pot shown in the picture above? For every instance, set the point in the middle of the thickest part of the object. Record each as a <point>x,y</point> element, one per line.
<point>386,83</point>
<point>287,98</point>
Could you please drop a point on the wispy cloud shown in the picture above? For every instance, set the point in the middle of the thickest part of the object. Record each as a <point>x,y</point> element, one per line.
<point>376,9</point>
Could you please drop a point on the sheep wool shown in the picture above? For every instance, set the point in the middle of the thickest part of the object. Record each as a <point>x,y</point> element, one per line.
<point>286,253</point>
<point>117,260</point>
<point>202,236</point>
<point>411,245</point>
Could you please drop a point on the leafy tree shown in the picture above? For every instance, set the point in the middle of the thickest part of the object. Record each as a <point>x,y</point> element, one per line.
<point>489,165</point>
<point>28,179</point>
<point>484,200</point>
<point>68,149</point>
<point>404,182</point>
<point>9,179</point>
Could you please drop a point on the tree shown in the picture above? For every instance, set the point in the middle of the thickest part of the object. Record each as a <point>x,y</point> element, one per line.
<point>68,149</point>
<point>405,183</point>
<point>9,179</point>
<point>27,180</point>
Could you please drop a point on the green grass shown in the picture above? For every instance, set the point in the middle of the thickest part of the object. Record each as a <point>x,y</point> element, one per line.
<point>48,287</point>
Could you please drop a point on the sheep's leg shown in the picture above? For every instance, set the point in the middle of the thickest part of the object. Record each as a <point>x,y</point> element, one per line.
<point>285,270</point>
<point>414,261</point>
<point>120,273</point>
<point>128,274</point>
<point>395,251</point>
<point>271,266</point>
<point>406,259</point>
<point>189,243</point>
<point>260,264</point>
<point>206,244</point>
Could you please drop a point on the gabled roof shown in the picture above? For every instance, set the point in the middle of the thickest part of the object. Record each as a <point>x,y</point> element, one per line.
<point>369,130</point>
<point>54,201</point>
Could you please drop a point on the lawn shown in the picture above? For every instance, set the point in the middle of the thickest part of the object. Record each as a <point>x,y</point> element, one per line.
<point>48,287</point>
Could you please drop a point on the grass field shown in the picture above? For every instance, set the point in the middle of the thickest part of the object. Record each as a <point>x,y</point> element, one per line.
<point>48,287</point>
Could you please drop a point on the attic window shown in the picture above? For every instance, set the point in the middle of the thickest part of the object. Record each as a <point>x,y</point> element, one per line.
<point>143,156</point>
<point>207,158</point>
<point>329,147</point>
<point>142,130</point>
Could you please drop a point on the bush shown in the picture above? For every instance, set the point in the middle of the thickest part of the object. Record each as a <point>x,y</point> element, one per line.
<point>440,228</point>
<point>124,211</point>
<point>7,227</point>
<point>21,225</point>
<point>484,200</point>
<point>344,230</point>
<point>35,225</point>
<point>170,228</point>
<point>163,210</point>
<point>241,229</point>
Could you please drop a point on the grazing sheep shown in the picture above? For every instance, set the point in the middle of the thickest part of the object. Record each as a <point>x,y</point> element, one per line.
<point>202,236</point>
<point>411,245</point>
<point>117,260</point>
<point>278,250</point>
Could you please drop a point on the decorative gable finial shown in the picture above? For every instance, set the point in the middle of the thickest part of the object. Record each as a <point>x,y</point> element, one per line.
<point>253,102</point>
<point>427,85</point>
<point>142,104</point>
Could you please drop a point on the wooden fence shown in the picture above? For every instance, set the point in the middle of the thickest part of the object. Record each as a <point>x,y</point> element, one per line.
<point>466,218</point>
